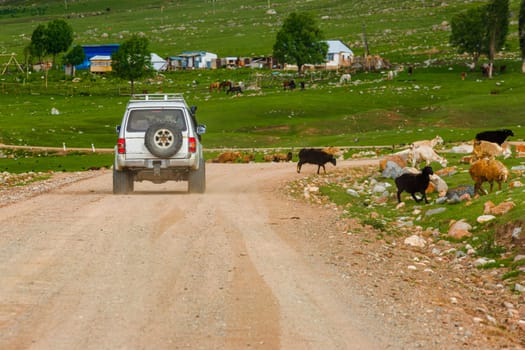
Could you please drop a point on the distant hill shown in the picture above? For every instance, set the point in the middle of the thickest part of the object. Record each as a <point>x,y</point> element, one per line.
<point>401,30</point>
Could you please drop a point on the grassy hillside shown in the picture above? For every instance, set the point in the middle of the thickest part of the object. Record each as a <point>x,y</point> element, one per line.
<point>369,111</point>
<point>401,30</point>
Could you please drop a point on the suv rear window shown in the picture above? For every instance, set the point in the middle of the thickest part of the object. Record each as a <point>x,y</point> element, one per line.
<point>141,119</point>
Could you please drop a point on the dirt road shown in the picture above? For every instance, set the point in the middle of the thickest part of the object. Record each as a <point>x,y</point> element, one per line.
<point>236,268</point>
<point>81,268</point>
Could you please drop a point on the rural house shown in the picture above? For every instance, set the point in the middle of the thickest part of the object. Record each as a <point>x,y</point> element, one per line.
<point>339,55</point>
<point>158,63</point>
<point>192,60</point>
<point>100,64</point>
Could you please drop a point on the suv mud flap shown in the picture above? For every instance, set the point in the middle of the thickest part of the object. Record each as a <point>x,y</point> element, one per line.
<point>156,168</point>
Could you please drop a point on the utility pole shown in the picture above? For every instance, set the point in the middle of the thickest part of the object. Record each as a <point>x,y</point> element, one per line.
<point>365,42</point>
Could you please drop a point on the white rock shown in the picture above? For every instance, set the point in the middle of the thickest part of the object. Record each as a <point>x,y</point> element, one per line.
<point>518,287</point>
<point>415,241</point>
<point>352,192</point>
<point>491,319</point>
<point>485,218</point>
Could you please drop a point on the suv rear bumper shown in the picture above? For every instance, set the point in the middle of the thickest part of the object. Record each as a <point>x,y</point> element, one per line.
<point>122,163</point>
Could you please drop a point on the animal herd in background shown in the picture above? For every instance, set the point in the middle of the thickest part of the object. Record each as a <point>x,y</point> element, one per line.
<point>486,146</point>
<point>231,88</point>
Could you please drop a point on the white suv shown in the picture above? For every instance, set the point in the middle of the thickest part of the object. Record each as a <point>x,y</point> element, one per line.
<point>159,141</point>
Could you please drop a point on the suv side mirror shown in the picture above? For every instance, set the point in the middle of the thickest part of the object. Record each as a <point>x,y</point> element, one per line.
<point>201,129</point>
<point>117,129</point>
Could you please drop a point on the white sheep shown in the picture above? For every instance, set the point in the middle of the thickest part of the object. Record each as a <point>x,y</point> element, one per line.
<point>438,140</point>
<point>424,153</point>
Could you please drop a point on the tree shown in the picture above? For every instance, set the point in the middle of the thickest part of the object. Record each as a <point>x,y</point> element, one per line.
<point>497,28</point>
<point>299,41</point>
<point>481,30</point>
<point>38,45</point>
<point>468,32</point>
<point>521,32</point>
<point>59,37</point>
<point>74,57</point>
<point>132,60</point>
<point>52,39</point>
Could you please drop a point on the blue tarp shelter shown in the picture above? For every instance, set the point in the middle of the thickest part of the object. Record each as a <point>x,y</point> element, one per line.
<point>96,50</point>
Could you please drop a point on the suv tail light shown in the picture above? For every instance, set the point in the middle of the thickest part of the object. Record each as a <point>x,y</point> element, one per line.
<point>192,145</point>
<point>121,146</point>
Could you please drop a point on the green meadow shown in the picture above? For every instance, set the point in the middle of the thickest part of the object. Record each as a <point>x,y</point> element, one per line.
<point>370,110</point>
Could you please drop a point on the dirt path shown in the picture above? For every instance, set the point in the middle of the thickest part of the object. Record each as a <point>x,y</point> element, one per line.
<point>236,268</point>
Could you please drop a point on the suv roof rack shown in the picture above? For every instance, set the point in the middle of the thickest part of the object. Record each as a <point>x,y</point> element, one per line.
<point>157,97</point>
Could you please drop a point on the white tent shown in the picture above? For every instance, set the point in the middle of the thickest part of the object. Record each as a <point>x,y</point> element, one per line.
<point>157,62</point>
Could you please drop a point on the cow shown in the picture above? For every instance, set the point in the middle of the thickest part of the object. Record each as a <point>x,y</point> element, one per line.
<point>314,156</point>
<point>234,90</point>
<point>289,85</point>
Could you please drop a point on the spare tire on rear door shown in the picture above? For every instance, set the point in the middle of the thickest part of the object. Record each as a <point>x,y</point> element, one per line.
<point>163,139</point>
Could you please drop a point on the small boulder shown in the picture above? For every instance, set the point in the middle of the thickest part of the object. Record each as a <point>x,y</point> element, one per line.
<point>415,241</point>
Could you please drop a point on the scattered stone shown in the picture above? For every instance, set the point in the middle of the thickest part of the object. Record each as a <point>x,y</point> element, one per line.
<point>460,191</point>
<point>435,211</point>
<point>490,208</point>
<point>454,200</point>
<point>448,171</point>
<point>441,200</point>
<point>491,319</point>
<point>485,218</point>
<point>352,192</point>
<point>519,258</point>
<point>415,241</point>
<point>516,233</point>
<point>483,261</point>
<point>392,170</point>
<point>400,205</point>
<point>464,148</point>
<point>515,183</point>
<point>397,159</point>
<point>521,312</point>
<point>519,288</point>
<point>459,229</point>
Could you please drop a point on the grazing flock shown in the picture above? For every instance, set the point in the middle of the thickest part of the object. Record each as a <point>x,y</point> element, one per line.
<point>484,167</point>
<point>403,166</point>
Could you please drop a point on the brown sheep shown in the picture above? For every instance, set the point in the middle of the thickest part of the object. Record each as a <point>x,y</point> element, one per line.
<point>278,157</point>
<point>228,157</point>
<point>488,170</point>
<point>486,149</point>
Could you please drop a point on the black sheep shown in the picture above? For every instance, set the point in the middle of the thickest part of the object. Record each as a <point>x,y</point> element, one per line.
<point>414,183</point>
<point>496,136</point>
<point>314,156</point>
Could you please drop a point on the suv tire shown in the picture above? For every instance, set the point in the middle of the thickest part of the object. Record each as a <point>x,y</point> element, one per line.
<point>163,139</point>
<point>122,182</point>
<point>197,179</point>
